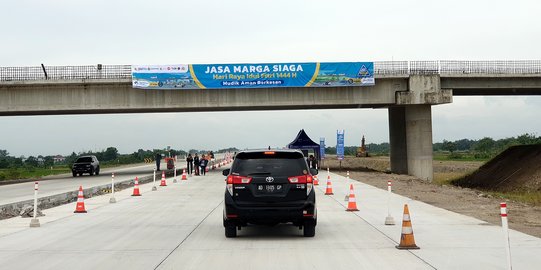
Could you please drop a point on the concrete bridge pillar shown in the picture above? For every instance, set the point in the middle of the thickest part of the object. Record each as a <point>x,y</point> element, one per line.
<point>410,126</point>
<point>410,137</point>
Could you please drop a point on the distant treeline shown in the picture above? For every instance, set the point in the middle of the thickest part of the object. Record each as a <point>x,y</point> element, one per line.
<point>107,156</point>
<point>483,148</point>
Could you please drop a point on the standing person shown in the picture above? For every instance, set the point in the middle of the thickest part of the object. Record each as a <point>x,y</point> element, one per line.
<point>203,163</point>
<point>314,162</point>
<point>158,160</point>
<point>189,163</point>
<point>196,164</point>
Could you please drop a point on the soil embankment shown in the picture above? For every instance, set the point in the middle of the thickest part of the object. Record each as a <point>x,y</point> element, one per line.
<point>516,169</point>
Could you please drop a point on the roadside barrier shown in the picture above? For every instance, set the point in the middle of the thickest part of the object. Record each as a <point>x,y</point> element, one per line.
<point>346,198</point>
<point>505,227</point>
<point>175,174</point>
<point>184,176</point>
<point>80,207</point>
<point>34,222</point>
<point>112,199</point>
<point>389,220</point>
<point>352,202</point>
<point>163,183</point>
<point>136,188</point>
<point>154,181</point>
<point>407,241</point>
<point>328,190</point>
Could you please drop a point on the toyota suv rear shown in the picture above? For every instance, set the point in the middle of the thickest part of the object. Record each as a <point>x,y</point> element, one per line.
<point>269,187</point>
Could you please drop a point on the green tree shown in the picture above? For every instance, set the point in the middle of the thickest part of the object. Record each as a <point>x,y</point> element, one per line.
<point>111,153</point>
<point>31,161</point>
<point>449,146</point>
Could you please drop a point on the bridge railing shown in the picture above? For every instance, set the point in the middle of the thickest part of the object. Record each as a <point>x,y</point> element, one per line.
<point>390,68</point>
<point>65,72</point>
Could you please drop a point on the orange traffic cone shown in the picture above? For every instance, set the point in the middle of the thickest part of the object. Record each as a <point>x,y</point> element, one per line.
<point>352,202</point>
<point>184,177</point>
<point>407,241</point>
<point>80,208</point>
<point>328,191</point>
<point>163,183</point>
<point>136,188</point>
<point>316,181</point>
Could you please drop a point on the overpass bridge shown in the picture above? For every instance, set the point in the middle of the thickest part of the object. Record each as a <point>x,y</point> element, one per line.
<point>407,89</point>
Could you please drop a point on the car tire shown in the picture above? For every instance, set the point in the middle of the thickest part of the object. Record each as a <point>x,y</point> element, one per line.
<point>74,174</point>
<point>230,230</point>
<point>98,171</point>
<point>309,228</point>
<point>91,171</point>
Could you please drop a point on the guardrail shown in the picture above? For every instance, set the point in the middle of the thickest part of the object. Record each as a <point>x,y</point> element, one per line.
<point>380,68</point>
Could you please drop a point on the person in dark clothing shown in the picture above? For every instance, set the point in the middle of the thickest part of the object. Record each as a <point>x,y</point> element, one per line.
<point>196,164</point>
<point>189,163</point>
<point>312,162</point>
<point>158,160</point>
<point>203,163</point>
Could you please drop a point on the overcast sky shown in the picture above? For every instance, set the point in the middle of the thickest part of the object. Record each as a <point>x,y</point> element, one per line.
<point>87,32</point>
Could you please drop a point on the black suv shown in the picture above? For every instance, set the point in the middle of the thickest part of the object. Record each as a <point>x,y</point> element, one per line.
<point>86,164</point>
<point>270,187</point>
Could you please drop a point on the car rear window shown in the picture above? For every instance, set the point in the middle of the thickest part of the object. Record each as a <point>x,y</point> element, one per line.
<point>84,159</point>
<point>272,163</point>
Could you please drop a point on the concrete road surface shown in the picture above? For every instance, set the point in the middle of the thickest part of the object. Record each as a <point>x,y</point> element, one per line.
<point>65,183</point>
<point>180,227</point>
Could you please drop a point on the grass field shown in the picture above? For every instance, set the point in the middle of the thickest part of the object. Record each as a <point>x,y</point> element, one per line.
<point>31,173</point>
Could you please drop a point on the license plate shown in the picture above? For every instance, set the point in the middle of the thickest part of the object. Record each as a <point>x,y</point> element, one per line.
<point>269,188</point>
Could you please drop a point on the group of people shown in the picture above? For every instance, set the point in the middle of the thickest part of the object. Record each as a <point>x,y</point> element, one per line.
<point>198,166</point>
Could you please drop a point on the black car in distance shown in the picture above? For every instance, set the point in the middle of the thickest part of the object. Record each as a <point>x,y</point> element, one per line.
<point>85,164</point>
<point>269,187</point>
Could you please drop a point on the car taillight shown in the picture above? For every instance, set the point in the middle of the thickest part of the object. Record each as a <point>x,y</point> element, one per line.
<point>241,179</point>
<point>236,179</point>
<point>303,179</point>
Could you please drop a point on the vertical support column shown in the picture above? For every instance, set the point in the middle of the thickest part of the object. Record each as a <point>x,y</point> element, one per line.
<point>397,140</point>
<point>419,141</point>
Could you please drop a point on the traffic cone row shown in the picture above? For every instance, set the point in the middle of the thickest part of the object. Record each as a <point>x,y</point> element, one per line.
<point>163,183</point>
<point>80,207</point>
<point>184,176</point>
<point>352,203</point>
<point>328,191</point>
<point>407,241</point>
<point>136,188</point>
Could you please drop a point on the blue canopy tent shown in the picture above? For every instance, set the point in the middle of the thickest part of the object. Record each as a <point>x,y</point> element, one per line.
<point>304,143</point>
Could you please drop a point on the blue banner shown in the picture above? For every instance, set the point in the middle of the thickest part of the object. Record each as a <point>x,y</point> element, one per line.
<point>322,148</point>
<point>340,144</point>
<point>219,76</point>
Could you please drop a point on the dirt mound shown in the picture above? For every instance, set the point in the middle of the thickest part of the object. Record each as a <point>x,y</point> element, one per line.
<point>516,169</point>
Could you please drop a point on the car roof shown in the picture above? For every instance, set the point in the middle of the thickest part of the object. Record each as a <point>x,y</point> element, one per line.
<point>266,150</point>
